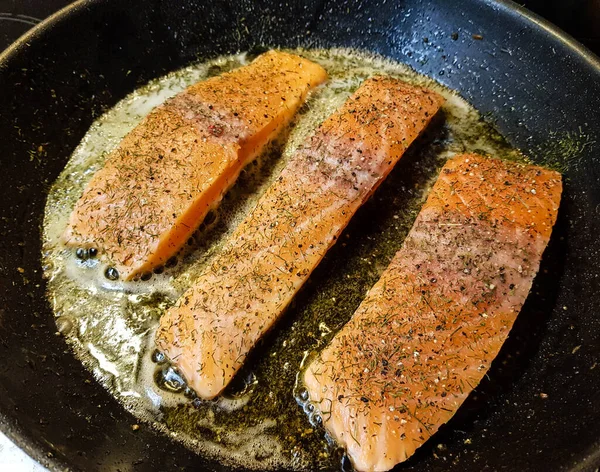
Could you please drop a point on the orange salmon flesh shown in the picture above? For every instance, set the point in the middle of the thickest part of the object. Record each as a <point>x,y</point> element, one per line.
<point>160,182</point>
<point>248,285</point>
<point>428,330</point>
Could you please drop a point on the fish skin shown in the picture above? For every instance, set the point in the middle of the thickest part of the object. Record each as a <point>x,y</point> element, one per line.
<point>428,330</point>
<point>248,285</point>
<point>157,186</point>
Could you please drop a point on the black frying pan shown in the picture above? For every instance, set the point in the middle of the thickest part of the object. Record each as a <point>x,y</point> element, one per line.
<point>539,87</point>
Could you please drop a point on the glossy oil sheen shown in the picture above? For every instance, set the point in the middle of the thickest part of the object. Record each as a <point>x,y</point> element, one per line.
<point>111,324</point>
<point>540,90</point>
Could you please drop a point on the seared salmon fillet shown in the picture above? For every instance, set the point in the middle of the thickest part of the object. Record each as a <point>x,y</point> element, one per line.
<point>428,330</point>
<point>248,285</point>
<point>160,182</point>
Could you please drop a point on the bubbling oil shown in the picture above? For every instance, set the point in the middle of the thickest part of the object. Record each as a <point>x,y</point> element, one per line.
<point>110,324</point>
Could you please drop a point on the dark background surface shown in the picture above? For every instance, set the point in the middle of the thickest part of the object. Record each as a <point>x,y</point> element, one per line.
<point>580,18</point>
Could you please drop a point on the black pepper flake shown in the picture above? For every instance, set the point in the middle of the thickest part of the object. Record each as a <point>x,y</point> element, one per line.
<point>216,129</point>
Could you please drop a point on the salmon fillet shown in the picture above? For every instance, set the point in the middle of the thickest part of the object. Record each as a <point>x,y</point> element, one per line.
<point>158,185</point>
<point>245,289</point>
<point>428,330</point>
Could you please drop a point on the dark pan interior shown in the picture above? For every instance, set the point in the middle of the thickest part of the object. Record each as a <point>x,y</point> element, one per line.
<point>540,90</point>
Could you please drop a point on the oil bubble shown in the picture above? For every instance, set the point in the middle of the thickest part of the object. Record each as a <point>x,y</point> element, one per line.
<point>64,324</point>
<point>169,379</point>
<point>111,273</point>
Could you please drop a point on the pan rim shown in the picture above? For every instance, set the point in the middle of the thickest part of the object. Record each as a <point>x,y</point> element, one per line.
<point>509,7</point>
<point>33,446</point>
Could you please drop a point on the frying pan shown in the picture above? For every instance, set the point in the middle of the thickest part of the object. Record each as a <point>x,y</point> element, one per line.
<point>537,410</point>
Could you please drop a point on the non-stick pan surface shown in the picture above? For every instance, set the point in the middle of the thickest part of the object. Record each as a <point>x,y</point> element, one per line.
<point>539,409</point>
